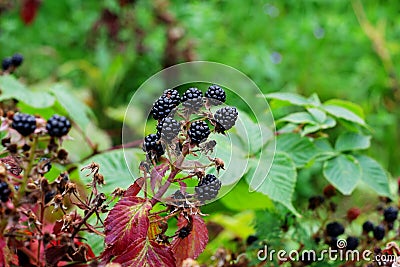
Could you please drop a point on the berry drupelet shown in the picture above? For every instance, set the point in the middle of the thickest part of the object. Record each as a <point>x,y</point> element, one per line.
<point>5,192</point>
<point>198,132</point>
<point>215,95</point>
<point>225,118</point>
<point>58,126</point>
<point>168,129</point>
<point>334,229</point>
<point>25,124</point>
<point>152,145</point>
<point>390,214</point>
<point>208,188</point>
<point>379,232</point>
<point>192,99</point>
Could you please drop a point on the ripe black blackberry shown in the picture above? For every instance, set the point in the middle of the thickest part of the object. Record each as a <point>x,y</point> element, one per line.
<point>315,201</point>
<point>58,126</point>
<point>225,118</point>
<point>163,107</point>
<point>198,132</point>
<point>184,232</point>
<point>379,232</point>
<point>215,95</point>
<point>17,60</point>
<point>368,226</point>
<point>192,99</point>
<point>352,243</point>
<point>5,192</point>
<point>179,199</point>
<point>168,129</point>
<point>152,145</point>
<point>6,63</point>
<point>173,95</point>
<point>208,188</point>
<point>334,229</point>
<point>390,214</point>
<point>25,124</point>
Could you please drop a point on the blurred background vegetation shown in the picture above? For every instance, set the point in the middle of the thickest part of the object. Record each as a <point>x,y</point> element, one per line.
<point>104,50</point>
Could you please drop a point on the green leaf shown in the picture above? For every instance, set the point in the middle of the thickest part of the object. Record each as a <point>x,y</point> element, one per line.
<point>374,175</point>
<point>343,113</point>
<point>76,110</point>
<point>298,118</point>
<point>113,166</point>
<point>299,148</point>
<point>13,89</point>
<point>280,182</point>
<point>238,199</point>
<point>318,115</point>
<point>294,99</point>
<point>343,172</point>
<point>353,107</point>
<point>325,149</point>
<point>352,141</point>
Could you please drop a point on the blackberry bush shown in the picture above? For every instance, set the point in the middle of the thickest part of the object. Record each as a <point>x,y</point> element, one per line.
<point>25,124</point>
<point>58,126</point>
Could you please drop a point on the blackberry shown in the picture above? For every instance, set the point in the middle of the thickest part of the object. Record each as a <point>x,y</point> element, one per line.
<point>390,214</point>
<point>315,201</point>
<point>179,199</point>
<point>208,188</point>
<point>215,95</point>
<point>5,192</point>
<point>25,124</point>
<point>352,243</point>
<point>173,95</point>
<point>368,226</point>
<point>379,232</point>
<point>334,229</point>
<point>251,239</point>
<point>168,129</point>
<point>152,145</point>
<point>17,60</point>
<point>58,126</point>
<point>225,118</point>
<point>198,132</point>
<point>162,108</point>
<point>184,232</point>
<point>192,99</point>
<point>6,63</point>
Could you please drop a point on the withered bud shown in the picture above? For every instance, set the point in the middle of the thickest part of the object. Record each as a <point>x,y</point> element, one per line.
<point>31,186</point>
<point>32,218</point>
<point>219,164</point>
<point>70,188</point>
<point>10,114</point>
<point>144,167</point>
<point>6,141</point>
<point>26,147</point>
<point>99,199</point>
<point>200,173</point>
<point>118,192</point>
<point>47,237</point>
<point>52,146</point>
<point>12,148</point>
<point>62,154</point>
<point>99,178</point>
<point>44,184</point>
<point>58,199</point>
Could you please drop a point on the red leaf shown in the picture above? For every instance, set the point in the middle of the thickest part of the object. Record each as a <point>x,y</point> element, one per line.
<point>192,245</point>
<point>157,174</point>
<point>29,10</point>
<point>135,188</point>
<point>2,248</point>
<point>126,222</point>
<point>144,252</point>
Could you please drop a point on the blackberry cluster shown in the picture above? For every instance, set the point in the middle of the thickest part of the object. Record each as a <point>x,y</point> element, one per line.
<point>334,229</point>
<point>168,129</point>
<point>5,192</point>
<point>390,214</point>
<point>198,132</point>
<point>192,99</point>
<point>25,124</point>
<point>14,61</point>
<point>208,188</point>
<point>215,95</point>
<point>58,126</point>
<point>165,104</point>
<point>153,146</point>
<point>225,118</point>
